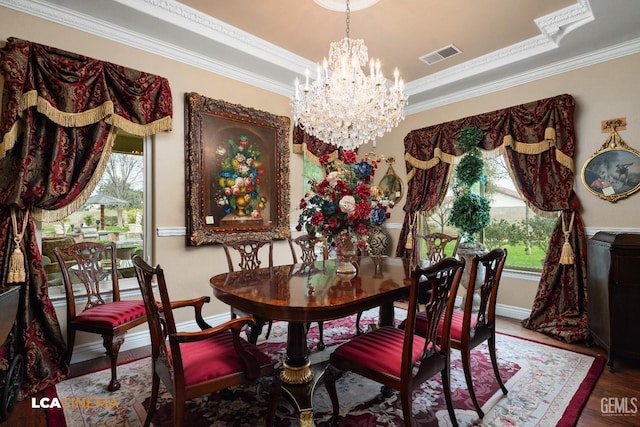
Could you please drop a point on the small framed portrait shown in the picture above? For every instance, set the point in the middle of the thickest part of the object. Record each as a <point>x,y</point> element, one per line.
<point>613,172</point>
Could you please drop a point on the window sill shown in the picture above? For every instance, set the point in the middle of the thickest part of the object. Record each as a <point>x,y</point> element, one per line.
<point>521,274</point>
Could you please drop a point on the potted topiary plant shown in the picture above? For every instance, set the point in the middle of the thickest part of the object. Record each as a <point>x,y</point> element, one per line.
<point>470,210</point>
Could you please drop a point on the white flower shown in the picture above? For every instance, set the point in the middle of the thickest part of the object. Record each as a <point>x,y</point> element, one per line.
<point>348,204</point>
<point>332,178</point>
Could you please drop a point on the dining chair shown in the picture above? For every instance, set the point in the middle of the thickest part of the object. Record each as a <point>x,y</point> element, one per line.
<point>402,359</point>
<point>246,255</point>
<point>436,244</point>
<point>92,263</point>
<point>193,364</point>
<point>469,328</point>
<point>307,246</point>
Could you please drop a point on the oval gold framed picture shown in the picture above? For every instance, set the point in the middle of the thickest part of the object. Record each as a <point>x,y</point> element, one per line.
<point>612,173</point>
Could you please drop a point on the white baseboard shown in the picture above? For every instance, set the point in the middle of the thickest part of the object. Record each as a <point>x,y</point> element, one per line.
<point>94,350</point>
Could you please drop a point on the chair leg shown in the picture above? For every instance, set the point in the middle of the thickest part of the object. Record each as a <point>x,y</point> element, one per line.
<point>321,345</point>
<point>446,387</point>
<point>112,345</point>
<point>71,339</point>
<point>155,386</point>
<point>466,365</point>
<point>268,329</point>
<point>253,332</point>
<point>494,362</point>
<point>331,374</point>
<point>273,386</point>
<point>359,330</point>
<point>178,411</point>
<point>407,405</point>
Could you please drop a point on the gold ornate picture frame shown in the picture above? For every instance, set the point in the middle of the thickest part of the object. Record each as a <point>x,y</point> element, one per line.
<point>236,172</point>
<point>613,172</point>
<point>391,184</point>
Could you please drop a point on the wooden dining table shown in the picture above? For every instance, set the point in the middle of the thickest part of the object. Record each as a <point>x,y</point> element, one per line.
<point>304,293</point>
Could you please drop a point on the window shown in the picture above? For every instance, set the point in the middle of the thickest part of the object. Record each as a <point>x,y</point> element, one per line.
<point>513,225</point>
<point>114,212</point>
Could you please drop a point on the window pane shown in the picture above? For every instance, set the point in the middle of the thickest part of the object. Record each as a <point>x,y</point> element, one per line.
<point>114,212</point>
<point>513,225</point>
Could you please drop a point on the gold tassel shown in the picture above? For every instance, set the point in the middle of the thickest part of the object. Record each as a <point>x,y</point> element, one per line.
<point>16,267</point>
<point>566,256</point>
<point>17,273</point>
<point>409,244</point>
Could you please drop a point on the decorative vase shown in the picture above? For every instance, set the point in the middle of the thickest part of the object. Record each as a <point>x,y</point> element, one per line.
<point>242,201</point>
<point>346,253</point>
<point>468,251</point>
<point>378,240</point>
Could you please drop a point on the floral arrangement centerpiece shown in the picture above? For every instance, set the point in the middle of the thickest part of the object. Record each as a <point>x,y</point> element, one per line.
<point>239,179</point>
<point>344,201</point>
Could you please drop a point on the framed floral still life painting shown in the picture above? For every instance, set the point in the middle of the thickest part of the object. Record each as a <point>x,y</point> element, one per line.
<point>613,172</point>
<point>237,172</point>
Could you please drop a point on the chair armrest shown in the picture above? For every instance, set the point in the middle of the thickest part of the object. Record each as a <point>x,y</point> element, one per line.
<point>197,304</point>
<point>235,325</point>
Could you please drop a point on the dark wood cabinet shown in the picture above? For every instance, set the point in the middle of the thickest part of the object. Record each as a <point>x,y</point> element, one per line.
<point>613,287</point>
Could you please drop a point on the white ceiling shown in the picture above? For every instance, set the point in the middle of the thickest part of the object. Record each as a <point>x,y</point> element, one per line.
<point>268,43</point>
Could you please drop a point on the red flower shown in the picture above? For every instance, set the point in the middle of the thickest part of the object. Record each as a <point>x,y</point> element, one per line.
<point>361,228</point>
<point>349,157</point>
<point>363,209</point>
<point>362,191</point>
<point>324,159</point>
<point>317,218</point>
<point>343,188</point>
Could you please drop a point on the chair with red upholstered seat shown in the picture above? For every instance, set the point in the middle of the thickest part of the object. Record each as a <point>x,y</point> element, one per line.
<point>402,359</point>
<point>193,364</point>
<point>469,328</point>
<point>95,262</point>
<point>247,254</point>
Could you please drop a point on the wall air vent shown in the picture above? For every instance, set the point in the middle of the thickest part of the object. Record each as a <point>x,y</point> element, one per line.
<point>440,54</point>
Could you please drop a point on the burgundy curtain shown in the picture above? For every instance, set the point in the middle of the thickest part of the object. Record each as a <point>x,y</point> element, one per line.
<point>302,140</point>
<point>59,119</point>
<point>538,141</point>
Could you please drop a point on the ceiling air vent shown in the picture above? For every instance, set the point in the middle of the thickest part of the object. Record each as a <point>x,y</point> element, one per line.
<point>440,54</point>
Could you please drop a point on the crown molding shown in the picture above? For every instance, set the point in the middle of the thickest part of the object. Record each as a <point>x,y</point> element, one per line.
<point>553,28</point>
<point>575,63</point>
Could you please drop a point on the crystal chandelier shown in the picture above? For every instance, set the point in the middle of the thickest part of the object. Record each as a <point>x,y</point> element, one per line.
<point>344,106</point>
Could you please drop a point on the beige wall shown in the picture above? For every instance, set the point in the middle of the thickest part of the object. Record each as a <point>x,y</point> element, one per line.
<point>601,91</point>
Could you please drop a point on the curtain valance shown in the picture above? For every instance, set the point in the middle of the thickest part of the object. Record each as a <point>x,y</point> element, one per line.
<point>73,90</point>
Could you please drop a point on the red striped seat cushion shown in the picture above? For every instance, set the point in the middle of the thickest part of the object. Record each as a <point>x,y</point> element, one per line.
<point>112,314</point>
<point>380,350</point>
<point>456,323</point>
<point>215,357</point>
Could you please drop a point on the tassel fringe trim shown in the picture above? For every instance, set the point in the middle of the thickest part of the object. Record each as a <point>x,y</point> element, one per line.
<point>85,118</point>
<point>508,141</point>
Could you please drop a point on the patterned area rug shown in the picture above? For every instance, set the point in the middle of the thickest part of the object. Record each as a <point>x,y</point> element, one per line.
<point>547,386</point>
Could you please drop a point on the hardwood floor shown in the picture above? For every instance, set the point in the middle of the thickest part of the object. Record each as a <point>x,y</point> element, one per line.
<point>623,383</point>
